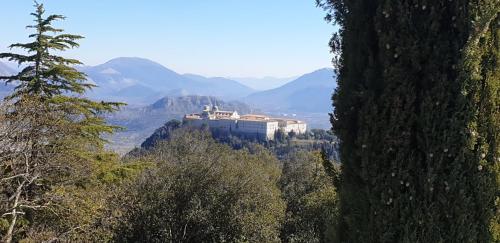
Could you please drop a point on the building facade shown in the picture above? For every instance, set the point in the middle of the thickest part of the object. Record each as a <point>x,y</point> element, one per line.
<point>258,126</point>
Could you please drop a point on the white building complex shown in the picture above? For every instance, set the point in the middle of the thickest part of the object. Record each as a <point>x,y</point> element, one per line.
<point>258,126</point>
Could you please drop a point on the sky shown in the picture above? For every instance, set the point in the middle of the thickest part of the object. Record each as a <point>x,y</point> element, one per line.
<point>231,38</point>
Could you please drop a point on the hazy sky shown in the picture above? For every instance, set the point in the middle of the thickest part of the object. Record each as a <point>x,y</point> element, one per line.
<point>251,38</point>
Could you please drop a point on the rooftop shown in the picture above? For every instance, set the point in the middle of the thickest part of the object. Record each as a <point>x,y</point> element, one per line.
<point>254,117</point>
<point>192,116</point>
<point>214,113</point>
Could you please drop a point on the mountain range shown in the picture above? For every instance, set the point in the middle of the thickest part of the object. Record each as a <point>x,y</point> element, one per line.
<point>139,81</point>
<point>142,81</point>
<point>156,94</point>
<point>263,83</point>
<point>308,93</point>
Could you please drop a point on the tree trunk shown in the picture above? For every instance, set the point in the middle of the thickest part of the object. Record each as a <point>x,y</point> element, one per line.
<point>10,231</point>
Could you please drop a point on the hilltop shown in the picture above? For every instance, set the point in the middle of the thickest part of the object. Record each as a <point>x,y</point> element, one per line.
<point>141,122</point>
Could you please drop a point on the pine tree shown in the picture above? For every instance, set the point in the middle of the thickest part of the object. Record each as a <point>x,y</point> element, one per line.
<point>417,114</point>
<point>48,130</point>
<point>48,75</point>
<point>54,79</point>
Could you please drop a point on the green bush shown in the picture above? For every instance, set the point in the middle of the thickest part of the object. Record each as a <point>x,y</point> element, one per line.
<point>202,191</point>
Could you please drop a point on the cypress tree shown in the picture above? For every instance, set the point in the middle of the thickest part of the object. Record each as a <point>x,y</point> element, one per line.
<point>417,113</point>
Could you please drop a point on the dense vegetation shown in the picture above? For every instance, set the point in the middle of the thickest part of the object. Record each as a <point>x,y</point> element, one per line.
<point>281,146</point>
<point>201,191</point>
<point>417,115</point>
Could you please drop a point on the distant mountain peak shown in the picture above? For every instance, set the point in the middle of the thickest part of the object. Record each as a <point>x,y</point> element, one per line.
<point>309,93</point>
<point>109,71</point>
<point>321,70</point>
<point>122,77</point>
<point>194,76</point>
<point>326,69</point>
<point>263,83</point>
<point>132,60</point>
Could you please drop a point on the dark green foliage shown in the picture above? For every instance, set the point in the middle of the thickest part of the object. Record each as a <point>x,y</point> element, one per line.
<point>201,191</point>
<point>311,141</point>
<point>311,199</point>
<point>417,115</point>
<point>314,140</point>
<point>162,133</point>
<point>280,136</point>
<point>331,168</point>
<point>318,134</point>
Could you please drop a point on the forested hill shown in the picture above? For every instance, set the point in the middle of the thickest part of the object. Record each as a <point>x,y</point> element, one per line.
<point>141,122</point>
<point>282,146</point>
